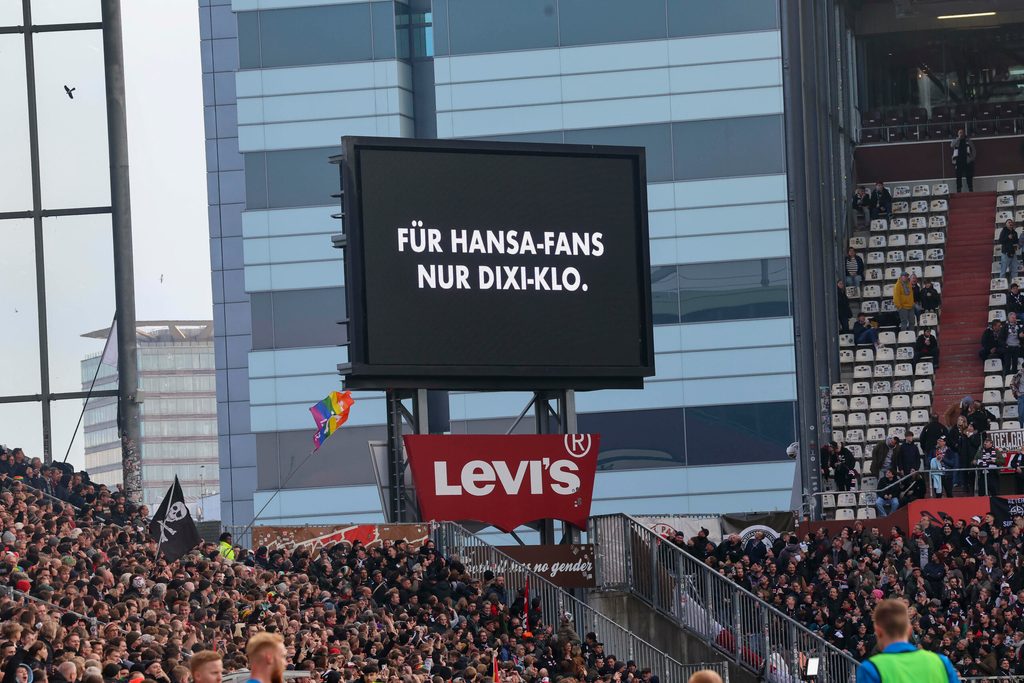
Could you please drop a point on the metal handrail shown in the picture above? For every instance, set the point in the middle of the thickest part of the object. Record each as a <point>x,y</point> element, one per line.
<point>926,473</point>
<point>456,542</point>
<point>729,618</point>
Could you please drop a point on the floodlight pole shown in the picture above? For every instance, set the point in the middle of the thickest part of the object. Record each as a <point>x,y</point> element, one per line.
<point>124,273</point>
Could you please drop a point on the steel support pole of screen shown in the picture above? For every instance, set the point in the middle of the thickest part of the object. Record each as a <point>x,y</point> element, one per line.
<point>37,230</point>
<point>560,420</point>
<point>802,197</point>
<point>124,275</point>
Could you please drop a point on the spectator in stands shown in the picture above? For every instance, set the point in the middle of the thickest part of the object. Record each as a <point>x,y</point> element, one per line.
<point>854,268</point>
<point>931,300</point>
<point>1015,300</point>
<point>915,287</point>
<point>963,159</point>
<point>931,433</point>
<point>887,494</point>
<point>883,456</point>
<point>861,205</point>
<point>990,459</point>
<point>844,469</point>
<point>898,660</point>
<point>843,304</point>
<point>942,458</point>
<point>992,344</point>
<point>979,416</point>
<point>908,455</point>
<point>914,488</point>
<point>926,346</point>
<point>865,332</point>
<point>881,201</point>
<point>1012,339</point>
<point>903,300</point>
<point>225,548</point>
<point>1017,387</point>
<point>1009,246</point>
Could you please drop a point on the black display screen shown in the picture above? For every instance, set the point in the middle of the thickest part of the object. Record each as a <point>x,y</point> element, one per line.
<point>473,259</point>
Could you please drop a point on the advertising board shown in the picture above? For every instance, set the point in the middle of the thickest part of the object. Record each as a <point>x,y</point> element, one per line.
<point>504,480</point>
<point>495,265</point>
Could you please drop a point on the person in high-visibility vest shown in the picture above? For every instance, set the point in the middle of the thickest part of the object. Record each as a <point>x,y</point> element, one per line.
<point>227,551</point>
<point>898,661</point>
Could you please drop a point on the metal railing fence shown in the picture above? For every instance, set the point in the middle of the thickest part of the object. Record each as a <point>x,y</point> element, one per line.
<point>630,557</point>
<point>457,543</point>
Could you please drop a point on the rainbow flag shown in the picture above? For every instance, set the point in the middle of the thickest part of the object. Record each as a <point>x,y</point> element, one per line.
<point>329,414</point>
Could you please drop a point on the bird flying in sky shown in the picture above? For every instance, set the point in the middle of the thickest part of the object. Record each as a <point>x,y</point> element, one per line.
<point>70,91</point>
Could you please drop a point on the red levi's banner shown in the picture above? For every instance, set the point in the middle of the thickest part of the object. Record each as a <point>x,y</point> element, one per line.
<point>504,480</point>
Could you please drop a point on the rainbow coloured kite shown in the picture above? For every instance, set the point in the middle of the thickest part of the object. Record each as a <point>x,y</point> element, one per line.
<point>329,414</point>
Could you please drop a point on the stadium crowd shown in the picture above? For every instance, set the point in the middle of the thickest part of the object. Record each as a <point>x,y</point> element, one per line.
<point>962,579</point>
<point>104,608</point>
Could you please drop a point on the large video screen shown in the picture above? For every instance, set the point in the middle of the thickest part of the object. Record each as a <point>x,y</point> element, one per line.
<point>477,264</point>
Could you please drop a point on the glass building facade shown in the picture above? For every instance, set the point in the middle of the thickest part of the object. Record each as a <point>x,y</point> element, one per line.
<point>698,83</point>
<point>179,412</point>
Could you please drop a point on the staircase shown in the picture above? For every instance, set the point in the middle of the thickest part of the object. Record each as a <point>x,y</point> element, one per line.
<point>965,289</point>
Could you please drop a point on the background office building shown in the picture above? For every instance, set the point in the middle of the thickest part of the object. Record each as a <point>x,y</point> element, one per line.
<point>179,420</point>
<point>699,83</point>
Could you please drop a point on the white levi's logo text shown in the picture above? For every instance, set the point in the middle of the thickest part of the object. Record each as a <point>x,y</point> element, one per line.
<point>533,477</point>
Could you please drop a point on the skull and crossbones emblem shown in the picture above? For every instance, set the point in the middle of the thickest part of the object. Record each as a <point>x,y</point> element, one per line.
<point>175,513</point>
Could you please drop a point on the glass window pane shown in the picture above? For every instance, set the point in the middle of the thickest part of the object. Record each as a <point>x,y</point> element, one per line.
<point>315,35</point>
<point>583,22</point>
<point>19,341</point>
<point>22,427</point>
<point>383,18</point>
<point>656,138</point>
<point>15,172</point>
<point>638,439</point>
<point>63,11</point>
<point>72,132</point>
<point>734,290</point>
<point>440,26</point>
<point>665,295</point>
<point>256,180</point>
<point>64,417</point>
<point>721,148</point>
<point>10,14</point>
<point>298,318</point>
<point>707,17</point>
<point>500,25</point>
<point>79,293</point>
<point>248,40</point>
<point>302,177</point>
<point>751,432</point>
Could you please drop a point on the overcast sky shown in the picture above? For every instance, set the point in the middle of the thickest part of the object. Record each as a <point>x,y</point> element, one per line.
<point>168,183</point>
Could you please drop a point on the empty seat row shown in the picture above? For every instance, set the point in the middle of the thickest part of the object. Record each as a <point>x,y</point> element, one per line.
<point>882,402</point>
<point>1004,201</point>
<point>912,239</point>
<point>919,190</point>
<point>857,435</point>
<point>1003,215</point>
<point>885,338</point>
<point>933,222</point>
<point>900,386</point>
<point>878,258</point>
<point>1001,284</point>
<point>846,514</point>
<point>994,397</point>
<point>1008,185</point>
<point>922,369</point>
<point>884,355</point>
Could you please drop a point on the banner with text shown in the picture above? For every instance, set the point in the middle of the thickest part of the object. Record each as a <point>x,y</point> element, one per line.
<point>566,566</point>
<point>504,480</point>
<point>316,537</point>
<point>1008,439</point>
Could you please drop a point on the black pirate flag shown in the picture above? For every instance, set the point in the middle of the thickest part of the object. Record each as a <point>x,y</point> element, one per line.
<point>1006,509</point>
<point>172,526</point>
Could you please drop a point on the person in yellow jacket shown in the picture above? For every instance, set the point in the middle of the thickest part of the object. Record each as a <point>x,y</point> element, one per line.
<point>897,660</point>
<point>225,548</point>
<point>903,300</point>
